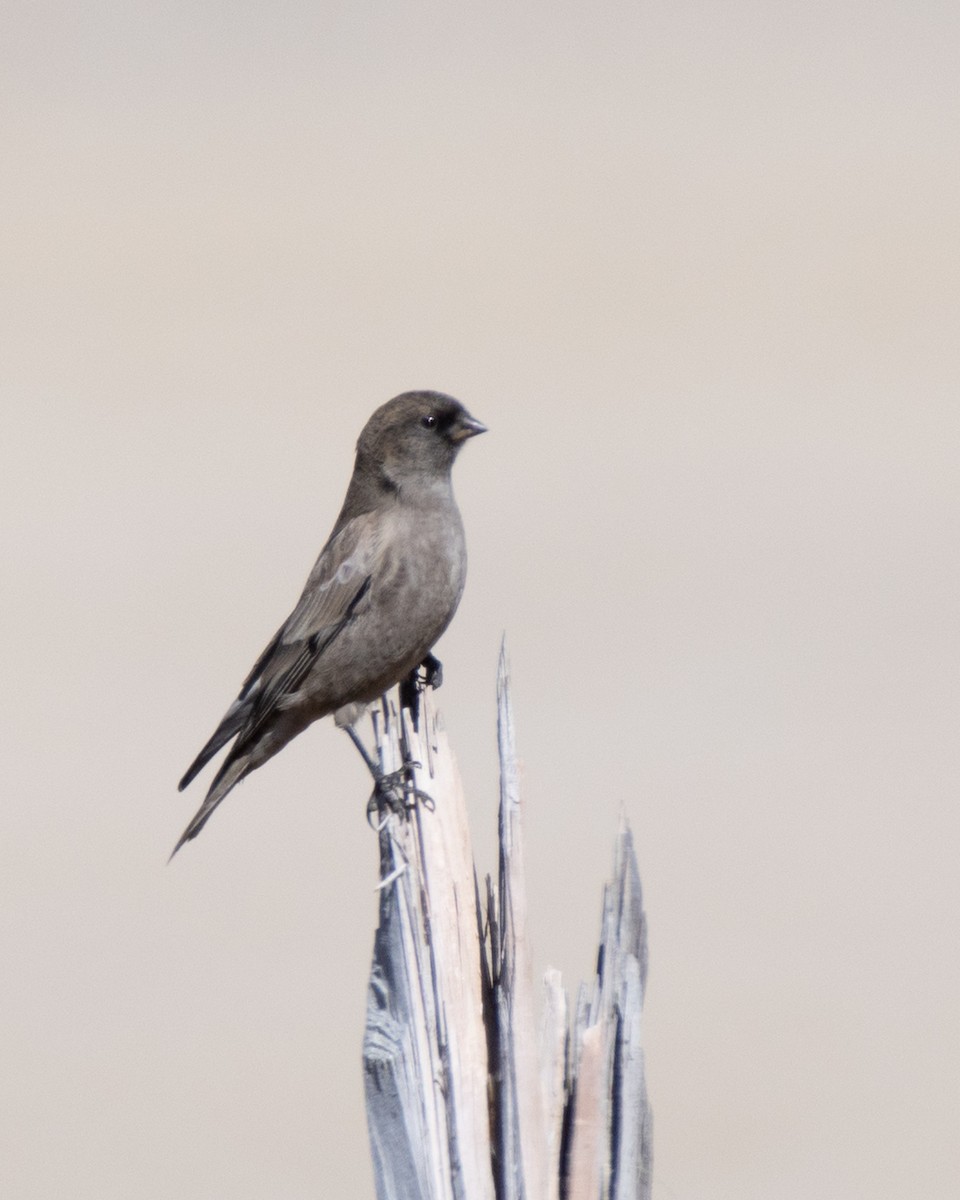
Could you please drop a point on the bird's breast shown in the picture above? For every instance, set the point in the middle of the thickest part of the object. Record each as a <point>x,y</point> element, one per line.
<point>425,565</point>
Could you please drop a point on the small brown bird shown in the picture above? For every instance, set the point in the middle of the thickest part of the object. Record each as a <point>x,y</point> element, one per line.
<point>384,588</point>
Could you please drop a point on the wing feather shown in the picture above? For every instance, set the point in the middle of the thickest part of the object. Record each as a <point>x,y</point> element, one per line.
<point>340,579</point>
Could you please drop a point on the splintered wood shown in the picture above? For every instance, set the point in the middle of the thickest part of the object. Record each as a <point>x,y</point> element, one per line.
<point>425,1047</point>
<point>476,1088</point>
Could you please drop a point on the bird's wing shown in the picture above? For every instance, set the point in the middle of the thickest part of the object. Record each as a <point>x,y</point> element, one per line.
<point>337,585</point>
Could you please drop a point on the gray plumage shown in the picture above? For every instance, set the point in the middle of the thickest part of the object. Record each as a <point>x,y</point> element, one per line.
<point>383,590</point>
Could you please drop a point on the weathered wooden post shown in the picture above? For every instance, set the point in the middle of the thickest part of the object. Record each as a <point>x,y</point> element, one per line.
<point>471,1094</point>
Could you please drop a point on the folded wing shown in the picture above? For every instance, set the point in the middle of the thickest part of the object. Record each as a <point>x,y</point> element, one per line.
<point>337,585</point>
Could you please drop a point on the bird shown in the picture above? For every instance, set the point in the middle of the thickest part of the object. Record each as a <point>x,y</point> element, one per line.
<point>384,588</point>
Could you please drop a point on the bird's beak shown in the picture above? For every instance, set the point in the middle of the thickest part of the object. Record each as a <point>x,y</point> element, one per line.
<point>466,427</point>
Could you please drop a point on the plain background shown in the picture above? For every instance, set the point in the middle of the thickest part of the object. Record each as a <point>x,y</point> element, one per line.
<point>696,266</point>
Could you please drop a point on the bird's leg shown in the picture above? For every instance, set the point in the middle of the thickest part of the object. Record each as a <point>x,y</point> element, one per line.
<point>394,790</point>
<point>414,684</point>
<point>410,695</point>
<point>372,766</point>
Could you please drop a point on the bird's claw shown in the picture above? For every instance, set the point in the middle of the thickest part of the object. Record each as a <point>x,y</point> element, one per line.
<point>429,674</point>
<point>396,793</point>
<point>432,672</point>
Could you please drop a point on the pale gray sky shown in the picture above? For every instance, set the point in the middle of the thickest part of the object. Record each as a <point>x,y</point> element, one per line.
<point>697,268</point>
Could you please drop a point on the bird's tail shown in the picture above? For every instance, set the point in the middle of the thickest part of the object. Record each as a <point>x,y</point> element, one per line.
<point>226,779</point>
<point>231,724</point>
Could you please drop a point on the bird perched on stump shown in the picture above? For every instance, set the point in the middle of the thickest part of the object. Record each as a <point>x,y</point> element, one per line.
<point>383,590</point>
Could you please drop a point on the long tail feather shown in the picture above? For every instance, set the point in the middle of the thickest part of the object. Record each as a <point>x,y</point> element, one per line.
<point>229,775</point>
<point>231,725</point>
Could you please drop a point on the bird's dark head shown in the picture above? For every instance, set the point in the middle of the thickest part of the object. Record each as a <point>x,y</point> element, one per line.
<point>416,435</point>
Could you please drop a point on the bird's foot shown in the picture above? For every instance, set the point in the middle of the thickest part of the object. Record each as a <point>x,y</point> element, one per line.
<point>432,672</point>
<point>396,792</point>
<point>393,791</point>
<point>415,683</point>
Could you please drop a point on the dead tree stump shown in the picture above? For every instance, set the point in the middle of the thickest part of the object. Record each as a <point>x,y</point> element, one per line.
<point>476,1086</point>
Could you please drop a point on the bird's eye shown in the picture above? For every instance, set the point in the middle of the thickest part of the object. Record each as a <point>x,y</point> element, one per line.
<point>429,421</point>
